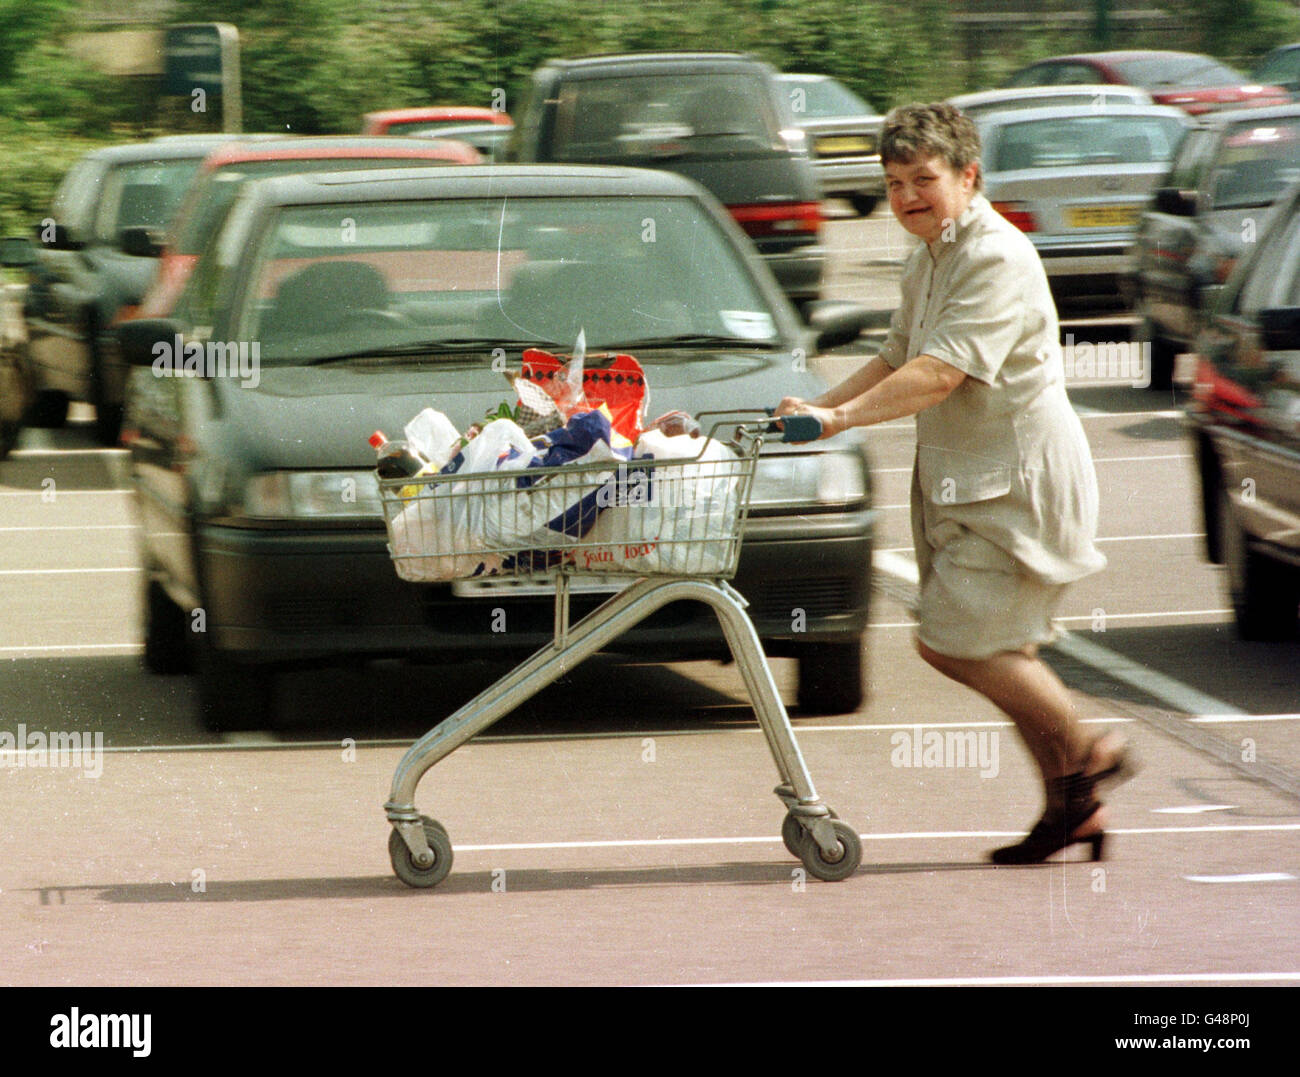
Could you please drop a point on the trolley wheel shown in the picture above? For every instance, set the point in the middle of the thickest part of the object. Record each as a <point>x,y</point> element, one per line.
<point>833,871</point>
<point>404,864</point>
<point>793,833</point>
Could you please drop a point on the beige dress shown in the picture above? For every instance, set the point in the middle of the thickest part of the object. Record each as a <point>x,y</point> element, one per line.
<point>1004,495</point>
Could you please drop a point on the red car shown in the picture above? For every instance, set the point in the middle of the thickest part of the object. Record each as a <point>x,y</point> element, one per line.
<point>424,121</point>
<point>1187,80</point>
<point>213,191</point>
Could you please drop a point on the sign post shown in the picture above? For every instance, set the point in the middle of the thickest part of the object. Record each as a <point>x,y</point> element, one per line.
<point>200,61</point>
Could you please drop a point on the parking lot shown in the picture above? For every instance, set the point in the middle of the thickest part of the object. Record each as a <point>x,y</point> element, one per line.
<point>620,828</point>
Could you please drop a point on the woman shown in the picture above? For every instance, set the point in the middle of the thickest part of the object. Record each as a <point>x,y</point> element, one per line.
<point>1004,497</point>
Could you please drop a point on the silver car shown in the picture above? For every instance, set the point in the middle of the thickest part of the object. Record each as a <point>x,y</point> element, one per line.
<point>842,133</point>
<point>1076,180</point>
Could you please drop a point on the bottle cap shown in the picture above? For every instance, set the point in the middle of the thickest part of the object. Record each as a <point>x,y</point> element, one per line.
<point>377,438</point>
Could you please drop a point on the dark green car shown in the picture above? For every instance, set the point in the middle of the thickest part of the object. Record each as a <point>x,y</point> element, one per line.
<point>331,305</point>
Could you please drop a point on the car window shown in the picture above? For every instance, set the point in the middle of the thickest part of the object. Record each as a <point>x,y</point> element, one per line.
<point>1255,164</point>
<point>1034,75</point>
<point>1281,67</point>
<point>1153,71</point>
<point>1191,160</point>
<point>1265,279</point>
<point>822,98</point>
<point>74,202</point>
<point>145,195</point>
<point>1096,138</point>
<point>532,270</point>
<point>1075,74</point>
<point>648,116</point>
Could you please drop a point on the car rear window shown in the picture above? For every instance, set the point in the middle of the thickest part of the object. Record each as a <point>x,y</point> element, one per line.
<point>649,116</point>
<point>143,195</point>
<point>1063,142</point>
<point>823,98</point>
<point>1256,163</point>
<point>1155,71</point>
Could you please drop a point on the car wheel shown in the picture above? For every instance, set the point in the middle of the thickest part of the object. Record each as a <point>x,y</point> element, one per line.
<point>49,409</point>
<point>13,401</point>
<point>232,696</point>
<point>830,678</point>
<point>108,413</point>
<point>166,633</point>
<point>1265,592</point>
<point>864,204</point>
<point>1164,354</point>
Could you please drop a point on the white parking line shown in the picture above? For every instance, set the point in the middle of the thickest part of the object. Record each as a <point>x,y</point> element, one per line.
<point>1258,877</point>
<point>60,492</point>
<point>61,571</point>
<point>1034,981</point>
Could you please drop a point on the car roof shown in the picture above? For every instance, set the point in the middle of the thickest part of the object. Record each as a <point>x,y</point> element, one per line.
<point>684,62</point>
<point>315,147</point>
<point>436,112</point>
<point>470,181</point>
<point>163,149</point>
<point>1014,93</point>
<point>1054,112</point>
<point>1123,54</point>
<point>1230,116</point>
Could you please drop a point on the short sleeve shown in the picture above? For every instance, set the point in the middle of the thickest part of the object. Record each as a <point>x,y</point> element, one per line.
<point>980,320</point>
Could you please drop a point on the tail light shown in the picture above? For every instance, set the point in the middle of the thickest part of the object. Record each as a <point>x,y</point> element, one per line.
<point>769,219</point>
<point>1018,214</point>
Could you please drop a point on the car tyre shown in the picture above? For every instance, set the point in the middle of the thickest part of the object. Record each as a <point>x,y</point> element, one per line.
<point>232,696</point>
<point>1265,592</point>
<point>166,630</point>
<point>13,401</point>
<point>864,204</point>
<point>49,410</point>
<point>830,678</point>
<point>1164,354</point>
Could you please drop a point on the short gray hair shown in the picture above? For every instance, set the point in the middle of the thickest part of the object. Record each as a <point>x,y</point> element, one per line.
<point>939,130</point>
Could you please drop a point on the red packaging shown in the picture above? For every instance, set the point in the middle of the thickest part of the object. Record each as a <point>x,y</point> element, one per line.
<point>618,382</point>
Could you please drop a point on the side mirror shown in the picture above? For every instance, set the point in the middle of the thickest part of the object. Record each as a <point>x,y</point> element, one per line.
<point>140,242</point>
<point>1279,327</point>
<point>141,338</point>
<point>17,252</point>
<point>836,321</point>
<point>1176,202</point>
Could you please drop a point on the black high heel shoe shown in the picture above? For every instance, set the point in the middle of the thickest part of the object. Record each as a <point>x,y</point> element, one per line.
<point>1075,803</point>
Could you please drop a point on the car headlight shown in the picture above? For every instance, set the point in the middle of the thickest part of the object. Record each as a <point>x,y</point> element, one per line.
<point>808,480</point>
<point>311,495</point>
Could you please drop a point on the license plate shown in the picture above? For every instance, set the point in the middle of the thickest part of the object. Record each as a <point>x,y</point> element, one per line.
<point>1102,216</point>
<point>845,144</point>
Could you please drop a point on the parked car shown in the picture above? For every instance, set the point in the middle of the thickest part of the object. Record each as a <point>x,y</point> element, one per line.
<point>256,489</point>
<point>1204,215</point>
<point>1187,80</point>
<point>490,139</point>
<point>431,120</point>
<point>1281,67</point>
<point>1244,421</point>
<point>715,117</point>
<point>1097,96</point>
<point>843,133</point>
<point>225,171</point>
<point>1075,178</point>
<point>95,254</point>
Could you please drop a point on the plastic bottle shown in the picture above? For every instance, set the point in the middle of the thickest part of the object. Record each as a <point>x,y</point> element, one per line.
<point>396,459</point>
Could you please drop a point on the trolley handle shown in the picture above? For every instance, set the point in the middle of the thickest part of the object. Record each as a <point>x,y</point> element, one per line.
<point>796,428</point>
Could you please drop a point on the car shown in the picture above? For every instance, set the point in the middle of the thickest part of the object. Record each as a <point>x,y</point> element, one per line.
<point>1097,96</point>
<point>227,168</point>
<point>95,254</point>
<point>1202,217</point>
<point>1281,67</point>
<point>1244,425</point>
<point>1187,80</point>
<point>430,120</point>
<point>255,482</point>
<point>844,132</point>
<point>1075,179</point>
<point>490,139</point>
<point>715,117</point>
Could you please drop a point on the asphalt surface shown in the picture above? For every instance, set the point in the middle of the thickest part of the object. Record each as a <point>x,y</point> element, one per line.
<point>620,829</point>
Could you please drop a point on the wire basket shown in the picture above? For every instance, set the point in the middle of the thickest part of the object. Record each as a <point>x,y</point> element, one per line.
<point>681,517</point>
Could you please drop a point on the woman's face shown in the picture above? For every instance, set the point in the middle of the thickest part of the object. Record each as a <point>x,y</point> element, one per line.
<point>928,193</point>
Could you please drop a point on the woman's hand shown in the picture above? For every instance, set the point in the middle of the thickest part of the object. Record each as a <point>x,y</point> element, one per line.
<point>828,417</point>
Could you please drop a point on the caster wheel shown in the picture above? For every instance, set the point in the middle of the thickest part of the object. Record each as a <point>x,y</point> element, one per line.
<point>841,867</point>
<point>404,865</point>
<point>794,835</point>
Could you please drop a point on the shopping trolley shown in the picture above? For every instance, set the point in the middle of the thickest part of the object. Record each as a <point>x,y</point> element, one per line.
<point>671,528</point>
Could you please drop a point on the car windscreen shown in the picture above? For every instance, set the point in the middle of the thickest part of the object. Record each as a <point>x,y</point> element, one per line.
<point>206,206</point>
<point>142,195</point>
<point>1156,71</point>
<point>823,98</point>
<point>378,277</point>
<point>1092,139</point>
<point>646,116</point>
<point>1257,162</point>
